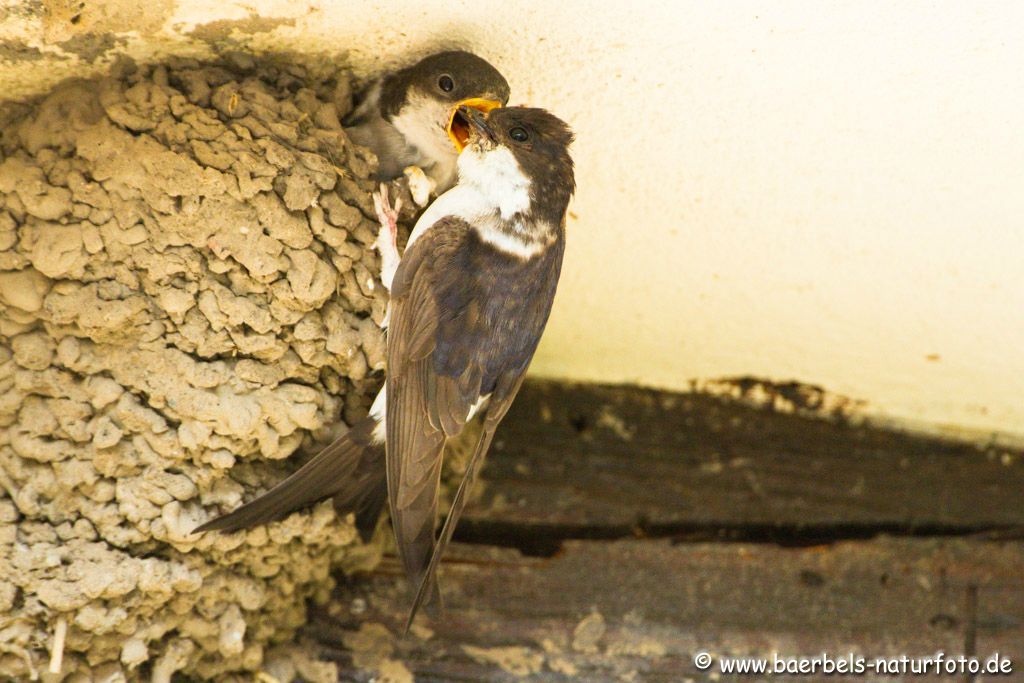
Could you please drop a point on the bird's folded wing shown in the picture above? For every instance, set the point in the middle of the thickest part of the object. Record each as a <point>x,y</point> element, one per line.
<point>423,407</point>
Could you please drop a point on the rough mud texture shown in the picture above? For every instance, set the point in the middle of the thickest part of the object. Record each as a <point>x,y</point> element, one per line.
<point>187,298</point>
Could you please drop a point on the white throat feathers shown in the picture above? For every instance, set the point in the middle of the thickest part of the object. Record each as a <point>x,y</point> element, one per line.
<point>422,122</point>
<point>493,196</point>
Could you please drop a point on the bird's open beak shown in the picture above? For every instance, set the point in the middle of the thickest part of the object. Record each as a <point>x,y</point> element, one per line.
<point>468,114</point>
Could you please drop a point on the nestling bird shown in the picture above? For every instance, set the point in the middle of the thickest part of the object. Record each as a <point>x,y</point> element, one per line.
<point>406,117</point>
<point>469,301</point>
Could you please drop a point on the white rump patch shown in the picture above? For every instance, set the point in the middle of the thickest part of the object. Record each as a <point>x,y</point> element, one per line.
<point>475,408</point>
<point>378,412</point>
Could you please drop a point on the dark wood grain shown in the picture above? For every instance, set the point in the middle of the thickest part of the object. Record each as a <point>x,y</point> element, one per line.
<point>609,461</point>
<point>693,523</point>
<point>661,602</point>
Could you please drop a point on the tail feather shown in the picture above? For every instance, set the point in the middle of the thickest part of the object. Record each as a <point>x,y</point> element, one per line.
<point>327,474</point>
<point>366,492</point>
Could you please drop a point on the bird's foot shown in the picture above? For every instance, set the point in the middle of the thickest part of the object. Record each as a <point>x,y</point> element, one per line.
<point>421,186</point>
<point>387,243</point>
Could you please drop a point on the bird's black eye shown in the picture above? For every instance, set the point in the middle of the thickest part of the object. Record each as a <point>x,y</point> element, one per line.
<point>446,83</point>
<point>518,134</point>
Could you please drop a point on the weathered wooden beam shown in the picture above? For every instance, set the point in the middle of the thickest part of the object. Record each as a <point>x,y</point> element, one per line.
<point>583,460</point>
<point>640,609</point>
<point>577,466</point>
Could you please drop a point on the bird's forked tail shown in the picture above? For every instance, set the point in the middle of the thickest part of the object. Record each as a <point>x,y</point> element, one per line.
<point>351,469</point>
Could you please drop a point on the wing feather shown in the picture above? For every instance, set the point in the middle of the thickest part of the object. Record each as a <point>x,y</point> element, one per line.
<point>423,409</point>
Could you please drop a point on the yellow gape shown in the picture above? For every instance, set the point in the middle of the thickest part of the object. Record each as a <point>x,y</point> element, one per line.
<point>458,128</point>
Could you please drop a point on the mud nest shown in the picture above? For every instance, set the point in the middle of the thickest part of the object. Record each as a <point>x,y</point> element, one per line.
<point>187,297</point>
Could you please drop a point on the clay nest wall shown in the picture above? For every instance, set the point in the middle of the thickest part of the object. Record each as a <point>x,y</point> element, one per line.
<point>187,297</point>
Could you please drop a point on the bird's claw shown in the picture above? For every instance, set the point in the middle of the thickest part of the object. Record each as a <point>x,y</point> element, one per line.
<point>420,185</point>
<point>387,238</point>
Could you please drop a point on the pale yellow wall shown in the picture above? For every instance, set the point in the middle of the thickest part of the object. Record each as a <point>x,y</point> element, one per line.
<point>827,192</point>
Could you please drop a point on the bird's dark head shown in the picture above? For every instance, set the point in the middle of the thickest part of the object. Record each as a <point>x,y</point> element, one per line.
<point>424,97</point>
<point>521,156</point>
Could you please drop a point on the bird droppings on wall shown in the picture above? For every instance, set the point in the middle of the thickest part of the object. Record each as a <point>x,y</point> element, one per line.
<point>187,297</point>
<point>372,648</point>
